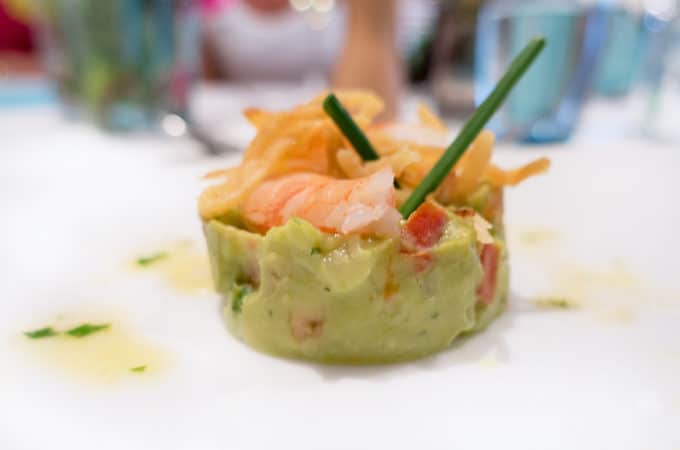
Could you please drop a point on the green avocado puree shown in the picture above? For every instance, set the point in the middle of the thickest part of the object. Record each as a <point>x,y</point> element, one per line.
<point>298,292</point>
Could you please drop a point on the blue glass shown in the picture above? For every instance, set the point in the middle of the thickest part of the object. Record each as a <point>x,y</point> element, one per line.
<point>124,63</point>
<point>545,105</point>
<point>619,64</point>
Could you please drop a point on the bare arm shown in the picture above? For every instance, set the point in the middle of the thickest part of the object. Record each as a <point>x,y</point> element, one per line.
<point>369,58</point>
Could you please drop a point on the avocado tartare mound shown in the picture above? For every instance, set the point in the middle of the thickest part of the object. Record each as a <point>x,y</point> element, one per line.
<point>299,292</point>
<point>314,261</point>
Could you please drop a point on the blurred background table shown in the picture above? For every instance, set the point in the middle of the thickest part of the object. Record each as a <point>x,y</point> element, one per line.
<point>32,111</point>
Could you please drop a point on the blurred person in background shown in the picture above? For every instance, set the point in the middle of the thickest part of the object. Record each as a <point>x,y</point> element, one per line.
<point>351,43</point>
<point>354,43</point>
<point>17,46</point>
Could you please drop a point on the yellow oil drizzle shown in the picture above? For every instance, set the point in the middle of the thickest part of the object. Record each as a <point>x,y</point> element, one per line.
<point>494,357</point>
<point>490,361</point>
<point>538,237</point>
<point>611,292</point>
<point>183,266</point>
<point>104,357</point>
<point>556,303</point>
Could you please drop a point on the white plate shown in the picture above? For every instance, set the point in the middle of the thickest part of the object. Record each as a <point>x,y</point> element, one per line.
<point>601,229</point>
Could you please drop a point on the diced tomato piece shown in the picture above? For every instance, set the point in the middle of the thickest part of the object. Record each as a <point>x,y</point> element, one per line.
<point>487,287</point>
<point>425,226</point>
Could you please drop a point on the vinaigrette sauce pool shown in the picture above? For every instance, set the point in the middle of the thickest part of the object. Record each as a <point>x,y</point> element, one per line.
<point>120,352</point>
<point>183,265</point>
<point>611,292</point>
<point>105,357</point>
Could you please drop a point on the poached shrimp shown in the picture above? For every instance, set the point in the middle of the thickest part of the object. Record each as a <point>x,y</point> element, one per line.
<point>359,205</point>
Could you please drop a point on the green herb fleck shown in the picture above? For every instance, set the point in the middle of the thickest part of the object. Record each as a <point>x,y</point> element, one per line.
<point>435,315</point>
<point>148,260</point>
<point>326,288</point>
<point>41,333</point>
<point>87,329</point>
<point>315,251</point>
<point>422,333</point>
<point>337,112</point>
<point>555,303</point>
<point>138,369</point>
<point>238,295</point>
<point>473,126</point>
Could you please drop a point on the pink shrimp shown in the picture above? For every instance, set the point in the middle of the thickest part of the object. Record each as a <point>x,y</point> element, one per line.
<point>361,205</point>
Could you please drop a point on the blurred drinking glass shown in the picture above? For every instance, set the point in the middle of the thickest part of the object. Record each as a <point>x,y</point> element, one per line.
<point>128,64</point>
<point>620,62</point>
<point>546,103</point>
<point>662,118</point>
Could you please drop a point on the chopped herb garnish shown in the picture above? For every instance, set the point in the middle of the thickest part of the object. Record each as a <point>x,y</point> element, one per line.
<point>315,251</point>
<point>148,260</point>
<point>556,302</point>
<point>138,369</point>
<point>435,315</point>
<point>41,333</point>
<point>337,112</point>
<point>473,126</point>
<point>326,288</point>
<point>350,129</point>
<point>87,329</point>
<point>238,295</point>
